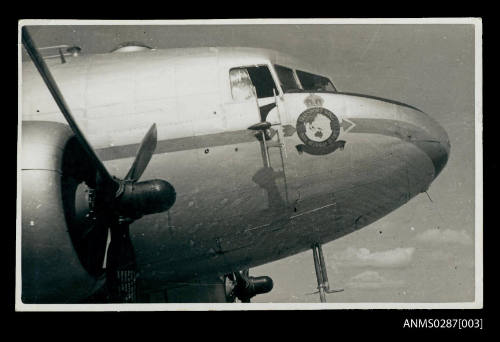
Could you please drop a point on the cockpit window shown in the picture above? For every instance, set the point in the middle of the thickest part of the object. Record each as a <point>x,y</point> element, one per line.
<point>262,80</point>
<point>311,82</point>
<point>287,79</point>
<point>248,82</point>
<point>241,85</point>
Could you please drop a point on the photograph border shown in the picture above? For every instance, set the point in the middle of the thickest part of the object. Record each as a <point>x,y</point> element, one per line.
<point>478,240</point>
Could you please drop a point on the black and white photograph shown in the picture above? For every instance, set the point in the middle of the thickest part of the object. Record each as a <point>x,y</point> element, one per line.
<point>256,164</point>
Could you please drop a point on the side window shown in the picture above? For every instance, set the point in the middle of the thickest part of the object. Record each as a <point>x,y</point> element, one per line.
<point>287,79</point>
<point>241,84</point>
<point>312,82</point>
<point>251,81</point>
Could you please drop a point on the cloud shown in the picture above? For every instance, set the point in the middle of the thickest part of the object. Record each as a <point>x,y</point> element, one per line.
<point>362,257</point>
<point>372,280</point>
<point>445,236</point>
<point>461,260</point>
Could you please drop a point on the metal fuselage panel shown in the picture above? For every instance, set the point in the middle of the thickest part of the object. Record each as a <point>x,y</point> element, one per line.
<point>234,210</point>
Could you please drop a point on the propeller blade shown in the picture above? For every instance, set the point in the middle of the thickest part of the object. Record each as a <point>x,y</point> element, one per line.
<point>121,266</point>
<point>63,106</point>
<point>143,156</point>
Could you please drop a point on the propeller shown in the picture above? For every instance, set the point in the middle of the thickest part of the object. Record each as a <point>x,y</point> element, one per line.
<point>115,202</point>
<point>143,156</point>
<point>105,177</point>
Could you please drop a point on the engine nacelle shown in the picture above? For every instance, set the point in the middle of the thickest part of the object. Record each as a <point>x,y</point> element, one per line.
<point>51,268</point>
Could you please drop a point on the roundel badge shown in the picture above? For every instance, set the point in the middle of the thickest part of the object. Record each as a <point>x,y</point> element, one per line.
<point>318,127</point>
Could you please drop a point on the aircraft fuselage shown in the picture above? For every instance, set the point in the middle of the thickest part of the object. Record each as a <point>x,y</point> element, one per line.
<point>330,164</point>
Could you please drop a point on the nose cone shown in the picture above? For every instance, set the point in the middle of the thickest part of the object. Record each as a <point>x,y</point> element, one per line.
<point>438,152</point>
<point>436,145</point>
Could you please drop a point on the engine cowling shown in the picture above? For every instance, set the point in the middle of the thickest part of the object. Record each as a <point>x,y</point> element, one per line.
<point>53,269</point>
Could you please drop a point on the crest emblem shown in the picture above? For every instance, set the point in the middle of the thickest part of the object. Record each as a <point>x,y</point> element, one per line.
<point>318,127</point>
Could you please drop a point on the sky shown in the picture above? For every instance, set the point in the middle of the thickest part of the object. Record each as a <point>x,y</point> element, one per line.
<point>423,251</point>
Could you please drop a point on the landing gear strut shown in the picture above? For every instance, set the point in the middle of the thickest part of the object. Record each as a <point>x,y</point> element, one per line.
<point>321,273</point>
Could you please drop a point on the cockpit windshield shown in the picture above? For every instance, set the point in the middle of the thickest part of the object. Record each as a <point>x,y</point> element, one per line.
<point>298,81</point>
<point>311,82</point>
<point>287,79</point>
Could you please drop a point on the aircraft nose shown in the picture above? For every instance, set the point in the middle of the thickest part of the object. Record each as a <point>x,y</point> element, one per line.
<point>436,144</point>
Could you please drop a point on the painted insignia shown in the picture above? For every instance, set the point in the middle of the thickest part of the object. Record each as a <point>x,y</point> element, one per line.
<point>319,129</point>
<point>313,100</point>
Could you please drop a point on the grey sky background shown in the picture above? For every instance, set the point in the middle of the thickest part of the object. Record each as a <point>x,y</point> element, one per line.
<point>422,252</point>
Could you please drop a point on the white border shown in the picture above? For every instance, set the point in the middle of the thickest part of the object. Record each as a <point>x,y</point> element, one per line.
<point>478,212</point>
<point>477,304</point>
<point>364,21</point>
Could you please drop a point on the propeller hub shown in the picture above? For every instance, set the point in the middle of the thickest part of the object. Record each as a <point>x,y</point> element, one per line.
<point>143,198</point>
